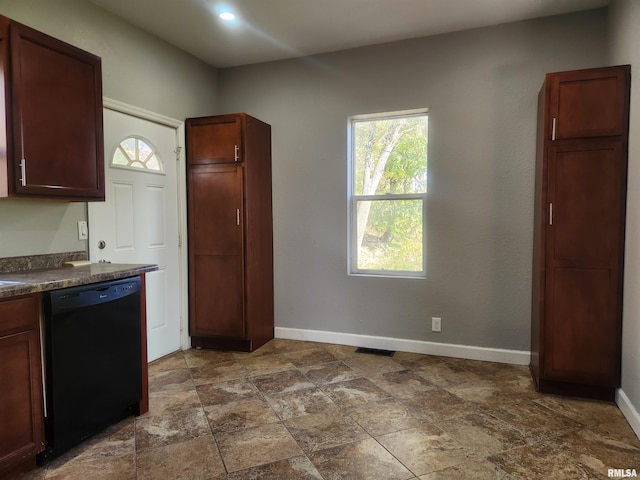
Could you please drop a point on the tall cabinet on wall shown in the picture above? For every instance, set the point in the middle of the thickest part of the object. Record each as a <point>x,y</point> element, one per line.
<point>230,232</point>
<point>581,174</point>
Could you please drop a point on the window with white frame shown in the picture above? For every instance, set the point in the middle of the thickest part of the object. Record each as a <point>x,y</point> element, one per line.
<point>137,153</point>
<point>387,193</point>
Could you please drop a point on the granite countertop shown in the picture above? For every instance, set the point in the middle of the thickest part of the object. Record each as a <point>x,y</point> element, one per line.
<point>56,276</point>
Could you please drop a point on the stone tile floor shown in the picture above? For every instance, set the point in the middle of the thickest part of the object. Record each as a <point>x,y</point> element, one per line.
<point>302,410</point>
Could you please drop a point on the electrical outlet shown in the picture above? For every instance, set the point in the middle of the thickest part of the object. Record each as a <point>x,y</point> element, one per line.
<point>436,324</point>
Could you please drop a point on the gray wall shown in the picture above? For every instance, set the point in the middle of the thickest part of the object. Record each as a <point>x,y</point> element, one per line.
<point>481,88</point>
<point>625,48</point>
<point>137,68</point>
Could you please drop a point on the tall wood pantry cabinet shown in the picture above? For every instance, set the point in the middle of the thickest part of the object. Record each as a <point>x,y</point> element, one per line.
<point>51,139</point>
<point>230,232</point>
<point>581,175</point>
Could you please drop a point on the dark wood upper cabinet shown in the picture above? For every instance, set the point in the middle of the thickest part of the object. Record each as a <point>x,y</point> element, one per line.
<point>588,103</point>
<point>51,133</point>
<point>581,177</point>
<point>226,129</point>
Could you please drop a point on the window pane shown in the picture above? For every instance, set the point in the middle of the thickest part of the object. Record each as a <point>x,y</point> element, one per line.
<point>144,151</point>
<point>129,147</point>
<point>119,158</point>
<point>390,155</point>
<point>389,235</point>
<point>153,163</point>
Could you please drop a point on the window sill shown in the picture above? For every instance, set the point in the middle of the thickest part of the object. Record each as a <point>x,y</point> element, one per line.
<point>382,275</point>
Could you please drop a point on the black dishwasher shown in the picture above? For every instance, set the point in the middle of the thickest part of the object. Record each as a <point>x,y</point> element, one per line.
<point>92,360</point>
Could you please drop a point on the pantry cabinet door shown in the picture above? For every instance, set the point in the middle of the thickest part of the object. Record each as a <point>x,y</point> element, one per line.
<point>216,279</point>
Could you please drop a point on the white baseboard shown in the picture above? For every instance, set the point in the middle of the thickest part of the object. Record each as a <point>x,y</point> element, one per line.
<point>628,410</point>
<point>517,357</point>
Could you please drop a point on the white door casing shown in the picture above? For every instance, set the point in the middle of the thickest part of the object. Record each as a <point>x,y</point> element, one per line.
<point>139,222</point>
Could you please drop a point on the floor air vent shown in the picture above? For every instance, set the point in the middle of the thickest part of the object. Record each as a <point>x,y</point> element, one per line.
<point>375,351</point>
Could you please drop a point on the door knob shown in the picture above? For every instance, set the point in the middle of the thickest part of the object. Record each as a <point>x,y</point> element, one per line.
<point>101,244</point>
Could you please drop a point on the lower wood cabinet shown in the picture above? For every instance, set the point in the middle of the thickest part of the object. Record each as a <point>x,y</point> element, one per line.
<point>21,401</point>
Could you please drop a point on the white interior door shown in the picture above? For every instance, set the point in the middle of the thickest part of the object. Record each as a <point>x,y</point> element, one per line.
<point>138,222</point>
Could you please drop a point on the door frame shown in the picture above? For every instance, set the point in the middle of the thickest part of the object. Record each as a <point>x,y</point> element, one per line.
<point>181,178</point>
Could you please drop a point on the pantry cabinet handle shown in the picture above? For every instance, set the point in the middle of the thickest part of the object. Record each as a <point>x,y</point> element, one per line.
<point>237,216</point>
<point>551,214</point>
<point>23,172</point>
<point>553,130</point>
<point>236,153</point>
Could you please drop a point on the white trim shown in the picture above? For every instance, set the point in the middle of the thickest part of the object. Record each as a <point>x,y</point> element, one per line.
<point>391,196</point>
<point>628,410</point>
<point>134,111</point>
<point>394,114</point>
<point>516,357</point>
<point>182,225</point>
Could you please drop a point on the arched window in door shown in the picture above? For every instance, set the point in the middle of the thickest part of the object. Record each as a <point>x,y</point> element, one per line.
<point>137,153</point>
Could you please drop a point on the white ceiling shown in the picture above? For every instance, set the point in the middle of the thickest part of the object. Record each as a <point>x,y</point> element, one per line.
<point>266,30</point>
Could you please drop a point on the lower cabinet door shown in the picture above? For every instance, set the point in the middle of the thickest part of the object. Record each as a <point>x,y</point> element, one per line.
<point>21,410</point>
<point>217,296</point>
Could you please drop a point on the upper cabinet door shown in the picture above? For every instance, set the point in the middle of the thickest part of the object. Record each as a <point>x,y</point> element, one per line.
<point>56,94</point>
<point>214,140</point>
<point>589,103</point>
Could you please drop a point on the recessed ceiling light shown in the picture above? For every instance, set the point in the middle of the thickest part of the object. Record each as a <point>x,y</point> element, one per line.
<point>228,16</point>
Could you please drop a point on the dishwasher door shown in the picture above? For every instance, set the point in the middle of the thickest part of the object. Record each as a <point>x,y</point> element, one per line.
<point>92,356</point>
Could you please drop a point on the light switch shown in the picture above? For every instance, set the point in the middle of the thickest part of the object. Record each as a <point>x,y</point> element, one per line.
<point>83,230</point>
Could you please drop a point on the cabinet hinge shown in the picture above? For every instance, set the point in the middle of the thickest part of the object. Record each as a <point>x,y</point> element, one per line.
<point>177,152</point>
